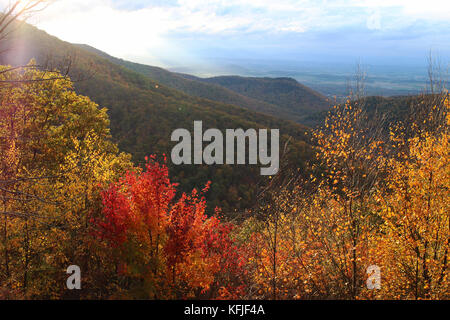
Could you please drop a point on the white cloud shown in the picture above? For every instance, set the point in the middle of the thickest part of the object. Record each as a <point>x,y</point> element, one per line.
<point>412,9</point>
<point>144,32</point>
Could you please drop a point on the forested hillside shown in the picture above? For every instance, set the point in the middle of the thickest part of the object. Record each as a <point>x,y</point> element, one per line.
<point>391,109</point>
<point>283,98</point>
<point>290,96</point>
<point>144,112</point>
<point>190,86</point>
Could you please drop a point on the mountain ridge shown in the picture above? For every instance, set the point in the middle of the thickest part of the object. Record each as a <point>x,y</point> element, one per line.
<point>143,113</point>
<point>284,91</point>
<point>296,105</point>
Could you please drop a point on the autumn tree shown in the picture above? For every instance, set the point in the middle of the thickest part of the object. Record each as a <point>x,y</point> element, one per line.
<point>56,154</point>
<point>350,146</point>
<point>413,248</point>
<point>167,248</point>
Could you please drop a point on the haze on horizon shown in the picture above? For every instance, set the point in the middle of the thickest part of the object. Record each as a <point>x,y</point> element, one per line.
<point>190,33</point>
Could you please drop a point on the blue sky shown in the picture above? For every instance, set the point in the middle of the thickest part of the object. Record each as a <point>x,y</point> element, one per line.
<point>184,32</point>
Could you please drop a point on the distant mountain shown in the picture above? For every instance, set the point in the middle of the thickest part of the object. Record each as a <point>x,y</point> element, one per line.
<point>288,94</point>
<point>144,112</point>
<point>281,97</point>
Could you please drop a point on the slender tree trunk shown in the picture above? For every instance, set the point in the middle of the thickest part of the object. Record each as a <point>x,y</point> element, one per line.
<point>5,244</point>
<point>274,265</point>
<point>26,249</point>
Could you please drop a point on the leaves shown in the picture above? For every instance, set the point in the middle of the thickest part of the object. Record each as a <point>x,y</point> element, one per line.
<point>170,243</point>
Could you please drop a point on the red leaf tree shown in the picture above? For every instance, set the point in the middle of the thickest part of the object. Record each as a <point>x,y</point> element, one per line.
<point>167,247</point>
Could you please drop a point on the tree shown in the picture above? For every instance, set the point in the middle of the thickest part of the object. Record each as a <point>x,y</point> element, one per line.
<point>351,147</point>
<point>166,248</point>
<point>15,11</point>
<point>55,155</point>
<point>415,209</point>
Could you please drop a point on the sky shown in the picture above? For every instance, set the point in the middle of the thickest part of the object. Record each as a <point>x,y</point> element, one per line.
<point>188,32</point>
